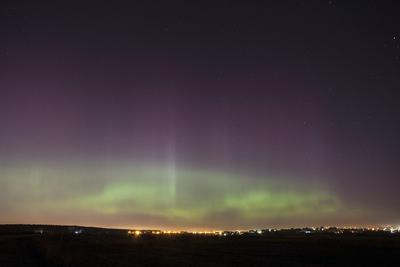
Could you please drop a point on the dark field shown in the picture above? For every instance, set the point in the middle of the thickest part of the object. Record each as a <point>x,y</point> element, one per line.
<point>117,249</point>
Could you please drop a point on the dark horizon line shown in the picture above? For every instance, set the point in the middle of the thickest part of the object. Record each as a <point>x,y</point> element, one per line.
<point>186,230</point>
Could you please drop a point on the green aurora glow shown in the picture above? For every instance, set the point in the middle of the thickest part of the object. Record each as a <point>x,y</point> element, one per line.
<point>125,195</point>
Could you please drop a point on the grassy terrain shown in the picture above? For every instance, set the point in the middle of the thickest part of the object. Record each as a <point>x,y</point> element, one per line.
<point>67,249</point>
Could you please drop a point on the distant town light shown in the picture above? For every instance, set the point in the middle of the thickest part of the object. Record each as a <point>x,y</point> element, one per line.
<point>78,231</point>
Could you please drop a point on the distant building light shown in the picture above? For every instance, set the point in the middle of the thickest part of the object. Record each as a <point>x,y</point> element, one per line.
<point>78,231</point>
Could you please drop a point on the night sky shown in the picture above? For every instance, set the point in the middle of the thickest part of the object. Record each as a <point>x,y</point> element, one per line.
<point>235,114</point>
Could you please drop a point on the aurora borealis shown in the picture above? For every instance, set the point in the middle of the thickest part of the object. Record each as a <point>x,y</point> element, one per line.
<point>154,196</point>
<point>198,117</point>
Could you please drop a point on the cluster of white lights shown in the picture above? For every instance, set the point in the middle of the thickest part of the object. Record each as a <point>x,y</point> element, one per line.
<point>328,229</point>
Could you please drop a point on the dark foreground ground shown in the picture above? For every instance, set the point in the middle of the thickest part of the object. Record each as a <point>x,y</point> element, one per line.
<point>69,249</point>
